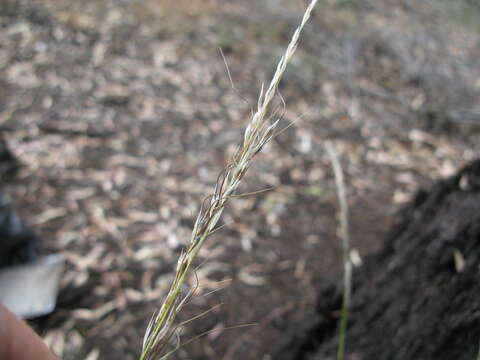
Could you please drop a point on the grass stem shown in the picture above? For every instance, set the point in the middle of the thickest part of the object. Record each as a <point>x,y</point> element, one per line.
<point>345,233</point>
<point>259,131</point>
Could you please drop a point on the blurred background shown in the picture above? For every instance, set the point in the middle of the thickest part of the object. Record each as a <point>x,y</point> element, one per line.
<point>120,114</point>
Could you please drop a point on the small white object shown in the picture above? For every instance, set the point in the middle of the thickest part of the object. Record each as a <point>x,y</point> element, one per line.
<point>355,258</point>
<point>30,290</point>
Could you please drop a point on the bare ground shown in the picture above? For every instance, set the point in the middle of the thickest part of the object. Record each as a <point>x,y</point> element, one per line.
<point>416,298</point>
<point>122,116</point>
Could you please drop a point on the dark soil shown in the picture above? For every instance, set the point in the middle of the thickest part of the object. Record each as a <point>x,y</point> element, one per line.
<point>417,298</point>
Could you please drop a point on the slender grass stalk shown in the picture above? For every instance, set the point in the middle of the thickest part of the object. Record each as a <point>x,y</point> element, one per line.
<point>258,132</point>
<point>478,354</point>
<point>347,264</point>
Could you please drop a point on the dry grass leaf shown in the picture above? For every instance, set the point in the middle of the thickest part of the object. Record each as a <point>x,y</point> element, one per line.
<point>49,215</point>
<point>251,279</point>
<point>94,315</point>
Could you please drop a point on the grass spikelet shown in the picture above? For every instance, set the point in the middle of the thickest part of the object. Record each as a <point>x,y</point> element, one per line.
<point>258,132</point>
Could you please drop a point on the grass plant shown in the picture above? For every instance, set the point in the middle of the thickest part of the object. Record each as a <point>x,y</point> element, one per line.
<point>259,131</point>
<point>345,234</point>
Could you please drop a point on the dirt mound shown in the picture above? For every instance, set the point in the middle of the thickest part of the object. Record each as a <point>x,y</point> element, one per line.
<point>418,297</point>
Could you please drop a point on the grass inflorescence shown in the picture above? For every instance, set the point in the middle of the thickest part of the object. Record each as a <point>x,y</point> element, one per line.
<point>258,132</point>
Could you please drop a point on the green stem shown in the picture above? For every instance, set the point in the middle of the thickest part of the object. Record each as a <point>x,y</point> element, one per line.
<point>342,336</point>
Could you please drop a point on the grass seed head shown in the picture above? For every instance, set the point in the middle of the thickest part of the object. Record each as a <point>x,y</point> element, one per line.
<point>259,131</point>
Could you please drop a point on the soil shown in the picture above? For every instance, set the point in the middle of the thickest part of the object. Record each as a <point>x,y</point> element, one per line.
<point>121,115</point>
<point>416,298</point>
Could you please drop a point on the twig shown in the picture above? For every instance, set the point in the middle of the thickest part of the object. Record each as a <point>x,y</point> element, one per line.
<point>258,132</point>
<point>71,132</point>
<point>345,233</point>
